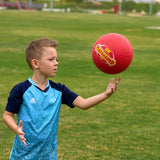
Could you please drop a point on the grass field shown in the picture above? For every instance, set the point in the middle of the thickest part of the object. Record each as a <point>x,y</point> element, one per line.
<point>126,126</point>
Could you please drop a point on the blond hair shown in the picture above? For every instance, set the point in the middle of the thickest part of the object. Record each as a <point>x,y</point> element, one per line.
<point>35,49</point>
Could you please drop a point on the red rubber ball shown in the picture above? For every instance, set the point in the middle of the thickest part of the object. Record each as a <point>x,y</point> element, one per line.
<point>112,53</point>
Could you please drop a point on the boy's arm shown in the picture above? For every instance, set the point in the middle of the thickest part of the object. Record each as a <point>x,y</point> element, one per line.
<point>92,101</point>
<point>10,122</point>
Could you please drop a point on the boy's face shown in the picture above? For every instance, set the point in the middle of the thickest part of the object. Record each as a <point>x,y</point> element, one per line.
<point>48,62</point>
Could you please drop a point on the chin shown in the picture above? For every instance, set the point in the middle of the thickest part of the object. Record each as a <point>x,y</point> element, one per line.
<point>52,75</point>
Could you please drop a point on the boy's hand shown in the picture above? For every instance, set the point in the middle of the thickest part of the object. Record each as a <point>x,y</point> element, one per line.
<point>112,87</point>
<point>20,133</point>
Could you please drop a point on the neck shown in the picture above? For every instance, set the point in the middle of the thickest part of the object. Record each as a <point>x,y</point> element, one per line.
<point>40,81</point>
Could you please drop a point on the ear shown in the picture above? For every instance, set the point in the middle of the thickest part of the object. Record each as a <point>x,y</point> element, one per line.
<point>35,63</point>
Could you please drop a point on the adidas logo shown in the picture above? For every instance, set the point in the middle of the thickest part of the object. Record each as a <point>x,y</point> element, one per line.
<point>32,101</point>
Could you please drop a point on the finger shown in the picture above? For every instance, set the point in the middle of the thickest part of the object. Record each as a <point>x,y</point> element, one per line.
<point>111,80</point>
<point>24,142</point>
<point>116,85</point>
<point>20,123</point>
<point>22,138</point>
<point>112,90</point>
<point>117,82</point>
<point>119,79</point>
<point>22,133</point>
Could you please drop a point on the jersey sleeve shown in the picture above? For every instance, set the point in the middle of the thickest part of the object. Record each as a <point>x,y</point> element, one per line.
<point>68,96</point>
<point>16,97</point>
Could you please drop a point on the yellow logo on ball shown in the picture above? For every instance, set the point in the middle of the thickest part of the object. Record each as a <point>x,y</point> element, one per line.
<point>105,54</point>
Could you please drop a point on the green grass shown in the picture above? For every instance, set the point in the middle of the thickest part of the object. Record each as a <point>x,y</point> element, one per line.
<point>126,126</point>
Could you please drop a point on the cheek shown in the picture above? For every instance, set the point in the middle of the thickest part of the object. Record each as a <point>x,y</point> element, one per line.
<point>45,65</point>
<point>48,66</point>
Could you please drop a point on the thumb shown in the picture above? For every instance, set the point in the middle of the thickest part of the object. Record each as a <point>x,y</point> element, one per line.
<point>20,128</point>
<point>20,123</point>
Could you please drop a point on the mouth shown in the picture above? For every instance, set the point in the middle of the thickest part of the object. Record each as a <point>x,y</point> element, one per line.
<point>55,70</point>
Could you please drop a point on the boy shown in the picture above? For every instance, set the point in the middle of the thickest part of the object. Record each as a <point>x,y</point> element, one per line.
<point>37,103</point>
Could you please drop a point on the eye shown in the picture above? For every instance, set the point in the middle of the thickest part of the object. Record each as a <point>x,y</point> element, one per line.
<point>53,59</point>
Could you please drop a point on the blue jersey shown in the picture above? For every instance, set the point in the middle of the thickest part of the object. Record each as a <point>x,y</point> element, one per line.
<point>39,111</point>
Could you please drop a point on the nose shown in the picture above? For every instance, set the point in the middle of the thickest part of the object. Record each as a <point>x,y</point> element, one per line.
<point>56,63</point>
